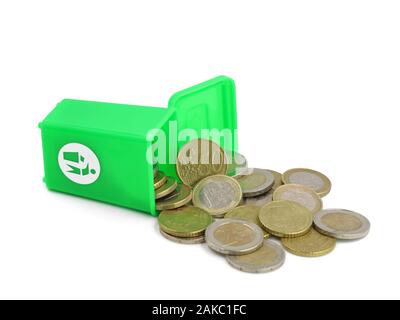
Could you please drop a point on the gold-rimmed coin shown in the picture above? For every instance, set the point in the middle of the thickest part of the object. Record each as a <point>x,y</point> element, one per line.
<point>180,197</point>
<point>159,180</point>
<point>310,178</point>
<point>286,219</point>
<point>312,244</point>
<point>217,194</point>
<point>248,213</point>
<point>167,188</point>
<point>199,159</point>
<point>184,222</point>
<point>258,182</point>
<point>300,194</point>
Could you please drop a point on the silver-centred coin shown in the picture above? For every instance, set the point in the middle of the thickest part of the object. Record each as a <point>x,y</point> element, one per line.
<point>234,236</point>
<point>342,224</point>
<point>258,182</point>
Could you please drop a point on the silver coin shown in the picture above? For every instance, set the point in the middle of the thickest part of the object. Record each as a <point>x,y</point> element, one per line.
<point>258,182</point>
<point>259,200</point>
<point>217,194</point>
<point>269,257</point>
<point>192,240</point>
<point>342,224</point>
<point>234,236</point>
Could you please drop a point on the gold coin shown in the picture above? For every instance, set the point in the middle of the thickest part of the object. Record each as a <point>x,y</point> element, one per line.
<point>310,178</point>
<point>312,244</point>
<point>248,213</point>
<point>217,194</point>
<point>300,194</point>
<point>160,180</point>
<point>199,159</point>
<point>181,196</point>
<point>184,222</point>
<point>167,188</point>
<point>286,219</point>
<point>277,179</point>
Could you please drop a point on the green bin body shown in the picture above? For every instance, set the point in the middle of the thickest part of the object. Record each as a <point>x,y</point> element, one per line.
<point>99,150</point>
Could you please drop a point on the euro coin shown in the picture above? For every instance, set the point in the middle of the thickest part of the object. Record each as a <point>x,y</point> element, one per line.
<point>217,194</point>
<point>269,257</point>
<point>286,219</point>
<point>198,159</point>
<point>187,240</point>
<point>260,200</point>
<point>312,244</point>
<point>184,222</point>
<point>180,197</point>
<point>342,224</point>
<point>258,182</point>
<point>234,237</point>
<point>300,194</point>
<point>309,178</point>
<point>167,188</point>
<point>248,213</point>
<point>160,180</point>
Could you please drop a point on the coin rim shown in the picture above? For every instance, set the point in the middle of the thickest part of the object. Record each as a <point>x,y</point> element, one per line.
<point>162,179</point>
<point>221,211</point>
<point>362,232</point>
<point>234,261</point>
<point>319,204</point>
<point>281,234</point>
<point>230,250</point>
<point>161,194</point>
<point>325,190</point>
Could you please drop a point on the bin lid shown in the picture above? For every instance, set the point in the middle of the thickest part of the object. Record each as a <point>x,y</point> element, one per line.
<point>208,105</point>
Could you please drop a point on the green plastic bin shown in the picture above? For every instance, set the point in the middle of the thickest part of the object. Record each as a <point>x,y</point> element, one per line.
<point>99,150</point>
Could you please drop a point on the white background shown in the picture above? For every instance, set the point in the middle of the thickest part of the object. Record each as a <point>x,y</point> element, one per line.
<point>317,86</point>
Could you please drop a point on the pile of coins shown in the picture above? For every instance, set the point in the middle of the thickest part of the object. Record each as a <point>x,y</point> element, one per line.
<point>242,213</point>
<point>169,193</point>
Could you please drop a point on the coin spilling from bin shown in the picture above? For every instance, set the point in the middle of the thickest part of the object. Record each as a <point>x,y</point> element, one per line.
<point>243,213</point>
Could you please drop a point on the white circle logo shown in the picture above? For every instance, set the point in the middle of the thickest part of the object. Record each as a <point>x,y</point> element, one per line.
<point>78,163</point>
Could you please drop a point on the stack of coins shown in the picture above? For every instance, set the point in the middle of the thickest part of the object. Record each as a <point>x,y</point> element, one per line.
<point>169,193</point>
<point>244,213</point>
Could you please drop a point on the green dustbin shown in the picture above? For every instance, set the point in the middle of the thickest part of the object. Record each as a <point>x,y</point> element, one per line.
<point>99,150</point>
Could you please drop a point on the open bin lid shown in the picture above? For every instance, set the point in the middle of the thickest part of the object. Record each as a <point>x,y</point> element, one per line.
<point>208,105</point>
